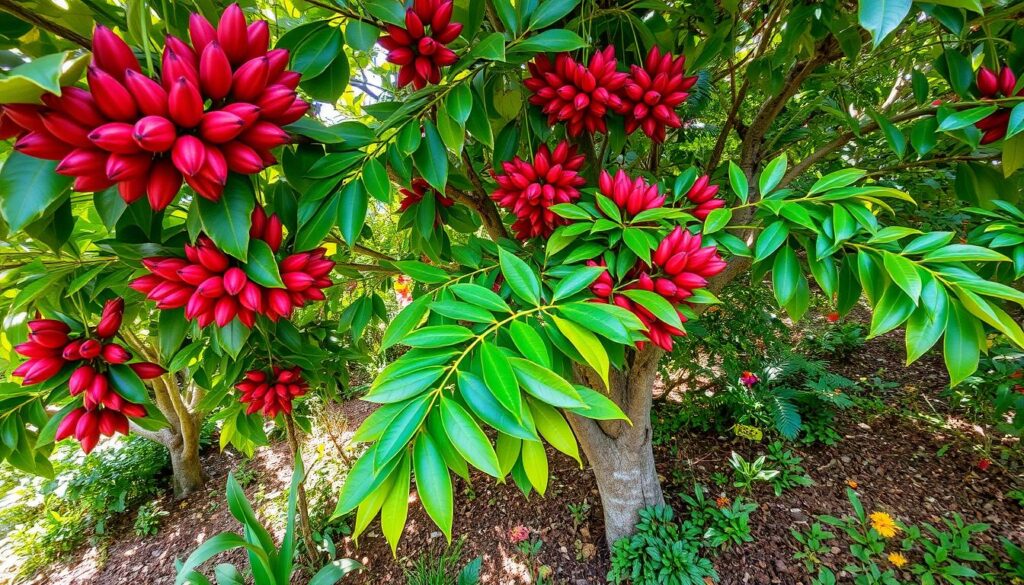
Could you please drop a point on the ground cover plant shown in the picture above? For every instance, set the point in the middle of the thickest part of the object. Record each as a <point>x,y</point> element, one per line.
<point>502,224</point>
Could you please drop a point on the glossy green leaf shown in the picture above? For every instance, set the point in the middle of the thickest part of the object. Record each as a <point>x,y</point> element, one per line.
<point>520,277</point>
<point>433,484</point>
<point>467,438</point>
<point>546,385</point>
<point>499,376</point>
<point>261,266</point>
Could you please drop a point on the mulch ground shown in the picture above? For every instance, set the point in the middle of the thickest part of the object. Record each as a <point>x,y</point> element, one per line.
<point>905,466</point>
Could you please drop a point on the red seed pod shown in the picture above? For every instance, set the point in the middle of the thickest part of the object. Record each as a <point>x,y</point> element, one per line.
<point>147,370</point>
<point>219,126</point>
<point>200,31</point>
<point>41,370</point>
<point>163,185</point>
<point>67,425</point>
<point>31,349</point>
<point>91,183</point>
<point>1007,81</point>
<point>26,116</point>
<point>211,258</point>
<point>133,410</point>
<point>273,235</point>
<point>42,145</point>
<point>66,130</point>
<point>83,161</point>
<point>112,99</point>
<point>111,54</point>
<point>154,133</point>
<point>188,154</point>
<point>184,103</point>
<point>275,100</point>
<point>212,288</point>
<point>125,167</point>
<point>81,379</point>
<point>175,67</point>
<point>89,349</point>
<point>214,72</point>
<point>183,50</point>
<point>77,104</point>
<point>149,95</point>
<point>257,39</point>
<point>87,430</point>
<point>232,33</point>
<point>71,350</point>
<point>244,110</point>
<point>115,354</point>
<point>49,338</point>
<point>250,79</point>
<point>110,318</point>
<point>115,137</point>
<point>234,280</point>
<point>224,311</point>
<point>242,159</point>
<point>264,136</point>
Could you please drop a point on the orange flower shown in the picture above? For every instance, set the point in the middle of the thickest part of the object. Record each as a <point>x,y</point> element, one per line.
<point>851,483</point>
<point>722,502</point>
<point>884,524</point>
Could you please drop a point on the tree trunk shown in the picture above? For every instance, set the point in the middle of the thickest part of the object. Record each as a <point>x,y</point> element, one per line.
<point>621,454</point>
<point>187,472</point>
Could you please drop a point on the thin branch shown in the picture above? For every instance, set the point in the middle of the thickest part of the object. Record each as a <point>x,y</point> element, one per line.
<point>34,18</point>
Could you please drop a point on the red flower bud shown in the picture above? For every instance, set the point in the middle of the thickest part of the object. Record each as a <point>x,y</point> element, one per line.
<point>164,183</point>
<point>232,33</point>
<point>115,137</point>
<point>214,72</point>
<point>110,318</point>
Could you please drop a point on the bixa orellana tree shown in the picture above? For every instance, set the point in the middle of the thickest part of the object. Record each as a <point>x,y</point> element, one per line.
<point>201,267</point>
<point>564,211</point>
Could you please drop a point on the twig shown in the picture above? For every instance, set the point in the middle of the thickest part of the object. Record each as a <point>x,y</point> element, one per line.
<point>34,18</point>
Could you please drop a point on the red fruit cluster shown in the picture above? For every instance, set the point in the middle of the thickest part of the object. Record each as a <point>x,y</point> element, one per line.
<point>419,189</point>
<point>702,194</point>
<point>631,195</point>
<point>993,86</point>
<point>272,392</point>
<point>218,106</point>
<point>420,48</point>
<point>214,288</point>
<point>50,349</point>
<point>582,96</point>
<point>529,190</point>
<point>653,92</point>
<point>578,96</point>
<point>680,266</point>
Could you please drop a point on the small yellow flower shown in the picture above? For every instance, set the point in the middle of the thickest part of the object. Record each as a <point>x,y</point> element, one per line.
<point>884,524</point>
<point>851,483</point>
<point>897,559</point>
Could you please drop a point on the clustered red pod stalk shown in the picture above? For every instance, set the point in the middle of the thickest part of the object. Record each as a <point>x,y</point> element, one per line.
<point>653,92</point>
<point>218,107</point>
<point>271,392</point>
<point>702,194</point>
<point>103,412</point>
<point>680,265</point>
<point>529,190</point>
<point>631,195</point>
<point>581,97</point>
<point>419,189</point>
<point>577,95</point>
<point>214,288</point>
<point>420,49</point>
<point>992,86</point>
